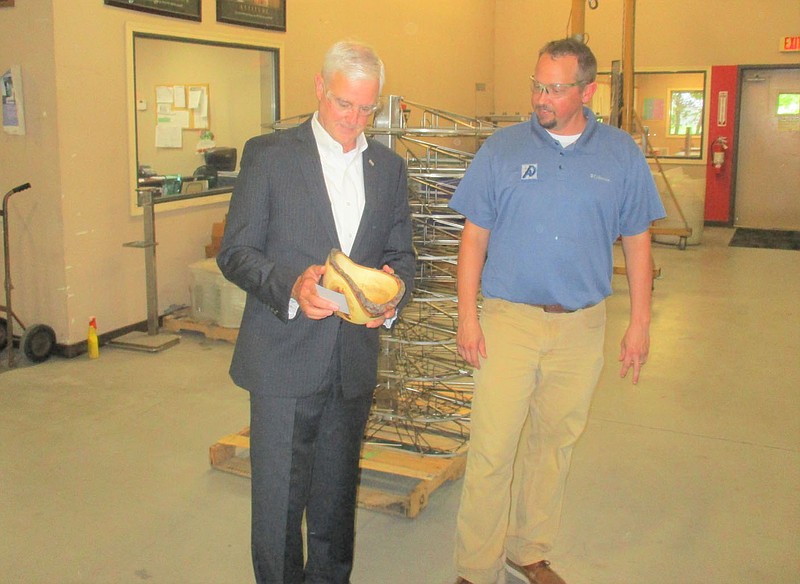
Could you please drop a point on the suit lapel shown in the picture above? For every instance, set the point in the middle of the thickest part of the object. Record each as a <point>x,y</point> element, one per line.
<point>311,167</point>
<point>371,190</point>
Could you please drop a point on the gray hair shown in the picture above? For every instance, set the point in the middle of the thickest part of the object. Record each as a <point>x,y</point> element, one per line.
<point>355,61</point>
<point>587,63</point>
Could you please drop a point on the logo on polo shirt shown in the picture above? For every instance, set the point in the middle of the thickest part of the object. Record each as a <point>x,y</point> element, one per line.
<point>529,172</point>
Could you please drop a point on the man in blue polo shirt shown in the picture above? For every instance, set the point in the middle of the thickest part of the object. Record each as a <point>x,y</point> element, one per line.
<point>544,202</point>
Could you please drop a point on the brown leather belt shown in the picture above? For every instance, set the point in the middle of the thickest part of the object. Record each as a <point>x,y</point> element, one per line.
<point>555,308</point>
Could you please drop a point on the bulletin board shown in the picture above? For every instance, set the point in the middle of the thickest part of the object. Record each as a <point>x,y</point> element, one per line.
<point>180,107</point>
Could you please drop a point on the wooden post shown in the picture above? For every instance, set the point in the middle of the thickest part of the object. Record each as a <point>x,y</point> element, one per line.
<point>578,20</point>
<point>628,20</point>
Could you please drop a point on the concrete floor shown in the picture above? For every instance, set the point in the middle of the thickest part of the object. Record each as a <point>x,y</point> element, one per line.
<point>693,476</point>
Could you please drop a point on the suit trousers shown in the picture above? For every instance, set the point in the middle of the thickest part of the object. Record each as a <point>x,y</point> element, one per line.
<point>304,456</point>
<point>531,403</point>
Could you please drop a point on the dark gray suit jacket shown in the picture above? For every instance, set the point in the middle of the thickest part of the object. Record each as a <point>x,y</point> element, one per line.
<point>279,223</point>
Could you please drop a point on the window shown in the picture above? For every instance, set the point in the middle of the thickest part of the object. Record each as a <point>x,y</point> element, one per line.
<point>788,104</point>
<point>654,108</point>
<point>172,128</point>
<point>685,112</point>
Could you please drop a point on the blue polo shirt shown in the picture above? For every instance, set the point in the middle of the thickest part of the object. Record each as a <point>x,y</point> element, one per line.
<point>554,213</point>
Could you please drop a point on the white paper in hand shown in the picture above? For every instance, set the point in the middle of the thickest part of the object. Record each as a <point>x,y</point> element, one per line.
<point>334,297</point>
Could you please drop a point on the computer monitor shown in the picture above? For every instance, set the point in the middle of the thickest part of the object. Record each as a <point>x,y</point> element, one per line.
<point>221,158</point>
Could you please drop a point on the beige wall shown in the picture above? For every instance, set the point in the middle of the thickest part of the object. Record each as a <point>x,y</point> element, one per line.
<point>68,231</point>
<point>35,216</point>
<point>679,34</point>
<point>434,52</point>
<point>76,151</point>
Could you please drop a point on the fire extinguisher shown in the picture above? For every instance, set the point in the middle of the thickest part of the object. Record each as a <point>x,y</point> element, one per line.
<point>718,148</point>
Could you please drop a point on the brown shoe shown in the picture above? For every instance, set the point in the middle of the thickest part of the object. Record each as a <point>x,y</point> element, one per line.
<point>538,573</point>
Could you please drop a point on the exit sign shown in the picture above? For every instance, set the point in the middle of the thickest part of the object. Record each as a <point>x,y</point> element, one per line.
<point>790,44</point>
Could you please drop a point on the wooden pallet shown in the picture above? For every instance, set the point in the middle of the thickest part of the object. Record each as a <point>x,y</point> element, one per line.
<point>232,453</point>
<point>622,271</point>
<point>682,233</point>
<point>400,482</point>
<point>393,481</point>
<point>181,322</point>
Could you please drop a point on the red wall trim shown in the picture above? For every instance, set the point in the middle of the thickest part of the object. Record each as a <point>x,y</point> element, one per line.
<point>719,183</point>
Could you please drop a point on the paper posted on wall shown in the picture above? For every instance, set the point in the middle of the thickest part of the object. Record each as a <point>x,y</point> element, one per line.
<point>13,112</point>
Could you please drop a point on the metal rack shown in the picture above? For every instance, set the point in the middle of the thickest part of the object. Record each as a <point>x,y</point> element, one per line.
<point>424,392</point>
<point>425,389</point>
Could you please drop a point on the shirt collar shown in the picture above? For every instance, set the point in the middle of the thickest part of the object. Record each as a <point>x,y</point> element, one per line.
<point>588,131</point>
<point>327,144</point>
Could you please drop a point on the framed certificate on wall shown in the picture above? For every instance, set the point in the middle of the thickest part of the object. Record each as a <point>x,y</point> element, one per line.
<point>269,14</point>
<point>188,9</point>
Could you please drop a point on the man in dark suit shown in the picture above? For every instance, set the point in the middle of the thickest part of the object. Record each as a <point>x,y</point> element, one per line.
<point>311,375</point>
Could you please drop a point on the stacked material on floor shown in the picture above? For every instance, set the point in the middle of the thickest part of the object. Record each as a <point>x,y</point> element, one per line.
<point>215,300</point>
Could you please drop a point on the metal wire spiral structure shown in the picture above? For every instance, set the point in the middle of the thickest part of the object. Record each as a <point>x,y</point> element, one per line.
<point>424,391</point>
<point>422,402</point>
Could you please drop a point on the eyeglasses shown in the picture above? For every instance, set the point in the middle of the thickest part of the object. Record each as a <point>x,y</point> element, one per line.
<point>347,107</point>
<point>553,89</point>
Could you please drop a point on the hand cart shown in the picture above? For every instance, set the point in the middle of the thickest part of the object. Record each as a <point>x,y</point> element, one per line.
<point>38,340</point>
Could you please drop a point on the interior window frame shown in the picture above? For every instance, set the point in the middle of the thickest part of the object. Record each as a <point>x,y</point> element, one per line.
<point>138,30</point>
<point>701,157</point>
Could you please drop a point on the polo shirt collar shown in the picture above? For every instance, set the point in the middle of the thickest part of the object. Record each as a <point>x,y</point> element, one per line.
<point>585,142</point>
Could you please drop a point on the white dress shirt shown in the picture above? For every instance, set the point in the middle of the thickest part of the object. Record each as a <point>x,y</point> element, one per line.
<point>344,178</point>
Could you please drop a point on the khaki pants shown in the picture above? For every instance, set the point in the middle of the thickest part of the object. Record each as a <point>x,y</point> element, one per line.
<point>531,403</point>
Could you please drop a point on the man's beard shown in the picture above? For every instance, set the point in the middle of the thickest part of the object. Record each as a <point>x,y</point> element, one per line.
<point>548,125</point>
